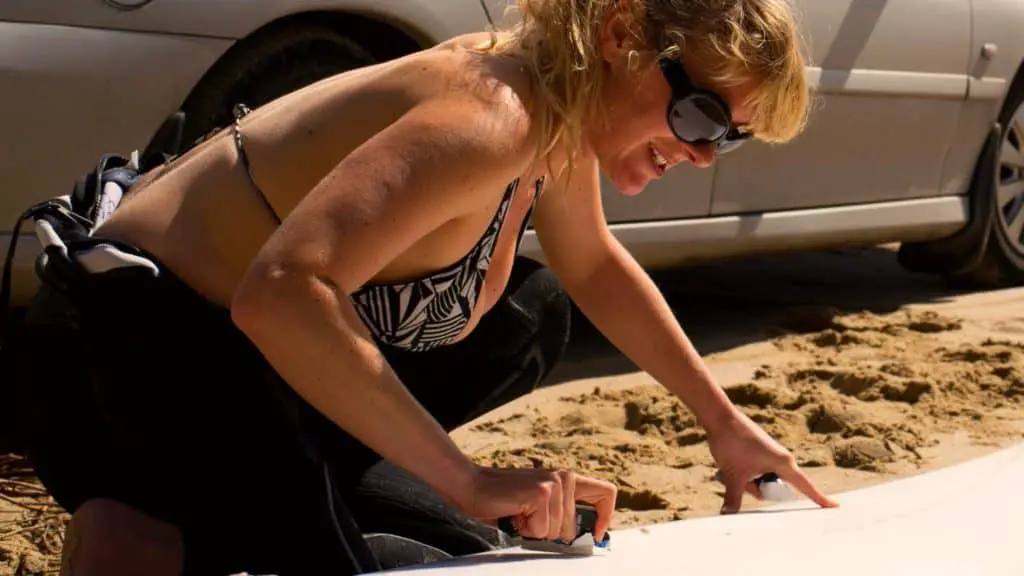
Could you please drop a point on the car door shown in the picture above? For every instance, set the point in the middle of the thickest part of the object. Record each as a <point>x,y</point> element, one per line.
<point>891,78</point>
<point>70,92</point>
<point>682,193</point>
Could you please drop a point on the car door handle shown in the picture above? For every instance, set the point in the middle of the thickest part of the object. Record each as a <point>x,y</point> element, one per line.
<point>127,4</point>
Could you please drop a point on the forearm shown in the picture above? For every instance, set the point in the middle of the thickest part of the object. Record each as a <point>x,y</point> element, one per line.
<point>620,299</point>
<point>311,334</point>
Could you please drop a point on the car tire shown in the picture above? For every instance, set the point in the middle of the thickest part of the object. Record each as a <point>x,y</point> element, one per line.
<point>268,64</point>
<point>989,252</point>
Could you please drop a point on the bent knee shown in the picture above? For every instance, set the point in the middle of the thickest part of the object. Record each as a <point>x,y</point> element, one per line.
<point>111,538</point>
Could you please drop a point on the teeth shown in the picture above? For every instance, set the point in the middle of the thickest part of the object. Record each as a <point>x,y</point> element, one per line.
<point>659,160</point>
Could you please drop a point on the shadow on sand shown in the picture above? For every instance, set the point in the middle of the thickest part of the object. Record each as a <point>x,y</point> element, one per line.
<point>727,305</point>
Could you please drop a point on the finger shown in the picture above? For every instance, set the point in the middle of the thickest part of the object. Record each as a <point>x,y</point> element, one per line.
<point>734,490</point>
<point>568,530</point>
<point>535,524</point>
<point>601,495</point>
<point>555,507</point>
<point>796,478</point>
<point>503,523</point>
<point>754,490</point>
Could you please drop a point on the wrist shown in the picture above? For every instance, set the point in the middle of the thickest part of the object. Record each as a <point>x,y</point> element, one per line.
<point>711,406</point>
<point>720,419</point>
<point>457,482</point>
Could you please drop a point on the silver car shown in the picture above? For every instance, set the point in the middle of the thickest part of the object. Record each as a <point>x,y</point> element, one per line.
<point>918,137</point>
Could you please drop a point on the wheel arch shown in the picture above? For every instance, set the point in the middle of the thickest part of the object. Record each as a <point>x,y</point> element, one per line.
<point>384,38</point>
<point>970,257</point>
<point>1015,85</point>
<point>997,46</point>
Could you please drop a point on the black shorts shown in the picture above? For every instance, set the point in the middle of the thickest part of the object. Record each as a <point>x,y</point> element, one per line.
<point>142,391</point>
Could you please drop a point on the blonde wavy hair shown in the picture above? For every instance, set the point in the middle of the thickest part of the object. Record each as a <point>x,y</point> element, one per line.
<point>732,41</point>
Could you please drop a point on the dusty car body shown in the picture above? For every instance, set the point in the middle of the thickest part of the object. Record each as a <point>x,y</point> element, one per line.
<point>918,136</point>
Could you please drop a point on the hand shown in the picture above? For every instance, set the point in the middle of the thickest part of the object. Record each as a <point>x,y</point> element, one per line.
<point>541,502</point>
<point>744,451</point>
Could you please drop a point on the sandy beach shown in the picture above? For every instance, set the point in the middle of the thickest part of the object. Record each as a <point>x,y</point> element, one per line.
<point>864,372</point>
<point>863,399</point>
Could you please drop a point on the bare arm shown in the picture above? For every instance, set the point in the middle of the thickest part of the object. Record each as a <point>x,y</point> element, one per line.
<point>431,166</point>
<point>618,296</point>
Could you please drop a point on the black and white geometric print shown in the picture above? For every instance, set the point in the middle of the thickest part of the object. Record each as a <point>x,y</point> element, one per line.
<point>432,311</point>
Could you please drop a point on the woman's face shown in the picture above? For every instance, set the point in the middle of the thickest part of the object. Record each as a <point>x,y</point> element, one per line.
<point>637,144</point>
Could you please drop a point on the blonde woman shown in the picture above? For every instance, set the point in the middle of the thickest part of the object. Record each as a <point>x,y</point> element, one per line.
<point>338,284</point>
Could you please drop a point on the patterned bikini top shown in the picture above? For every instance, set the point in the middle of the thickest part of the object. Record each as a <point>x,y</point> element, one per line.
<point>428,312</point>
<point>433,311</point>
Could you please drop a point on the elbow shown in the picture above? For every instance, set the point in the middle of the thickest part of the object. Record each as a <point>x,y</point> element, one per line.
<point>593,286</point>
<point>577,264</point>
<point>249,305</point>
<point>272,296</point>
<point>259,298</point>
<point>585,274</point>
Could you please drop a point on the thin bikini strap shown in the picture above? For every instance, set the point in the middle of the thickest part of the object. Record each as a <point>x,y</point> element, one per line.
<point>241,111</point>
<point>538,190</point>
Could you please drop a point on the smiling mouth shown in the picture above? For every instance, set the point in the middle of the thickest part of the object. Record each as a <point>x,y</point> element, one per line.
<point>660,164</point>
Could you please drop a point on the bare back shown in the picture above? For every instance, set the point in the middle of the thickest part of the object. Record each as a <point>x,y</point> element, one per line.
<point>205,219</point>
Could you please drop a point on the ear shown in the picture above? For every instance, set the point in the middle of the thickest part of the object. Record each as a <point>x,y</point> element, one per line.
<point>614,35</point>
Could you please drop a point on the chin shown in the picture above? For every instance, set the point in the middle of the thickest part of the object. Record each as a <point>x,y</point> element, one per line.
<point>632,189</point>
<point>628,183</point>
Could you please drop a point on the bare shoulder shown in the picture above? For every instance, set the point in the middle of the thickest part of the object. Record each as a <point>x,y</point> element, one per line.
<point>452,145</point>
<point>440,160</point>
<point>486,97</point>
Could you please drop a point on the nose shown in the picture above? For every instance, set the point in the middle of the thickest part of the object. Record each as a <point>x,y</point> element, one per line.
<point>701,156</point>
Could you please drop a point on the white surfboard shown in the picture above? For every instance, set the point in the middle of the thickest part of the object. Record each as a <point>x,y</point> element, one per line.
<point>963,520</point>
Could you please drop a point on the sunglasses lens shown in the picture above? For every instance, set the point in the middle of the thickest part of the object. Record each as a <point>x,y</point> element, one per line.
<point>698,119</point>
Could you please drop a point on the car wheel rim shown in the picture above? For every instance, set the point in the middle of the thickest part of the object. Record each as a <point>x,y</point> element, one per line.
<point>1010,186</point>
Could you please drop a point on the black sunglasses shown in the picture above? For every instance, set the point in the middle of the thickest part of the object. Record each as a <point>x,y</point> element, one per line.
<point>698,116</point>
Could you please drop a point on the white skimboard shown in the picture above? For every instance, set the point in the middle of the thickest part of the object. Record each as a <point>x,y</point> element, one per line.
<point>964,520</point>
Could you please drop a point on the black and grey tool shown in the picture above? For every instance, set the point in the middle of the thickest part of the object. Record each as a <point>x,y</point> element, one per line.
<point>583,544</point>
